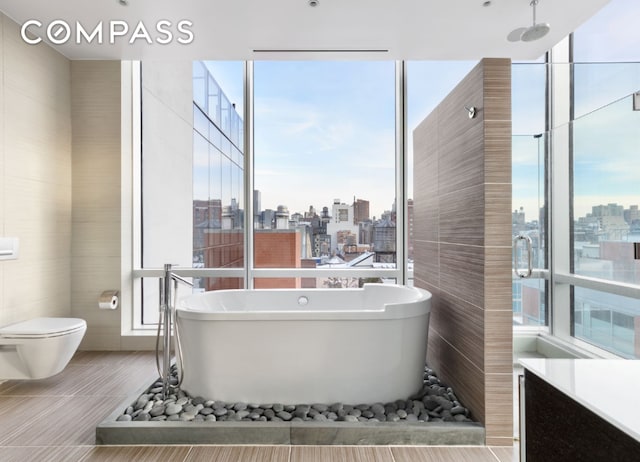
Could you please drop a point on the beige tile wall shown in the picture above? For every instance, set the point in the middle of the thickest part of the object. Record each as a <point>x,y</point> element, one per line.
<point>462,242</point>
<point>96,244</point>
<point>35,177</point>
<point>60,188</point>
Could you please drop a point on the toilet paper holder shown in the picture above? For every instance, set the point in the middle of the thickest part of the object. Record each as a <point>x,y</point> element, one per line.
<point>108,300</point>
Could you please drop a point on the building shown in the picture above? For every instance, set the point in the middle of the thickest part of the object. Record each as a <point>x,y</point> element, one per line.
<point>360,211</point>
<point>341,225</point>
<point>384,241</point>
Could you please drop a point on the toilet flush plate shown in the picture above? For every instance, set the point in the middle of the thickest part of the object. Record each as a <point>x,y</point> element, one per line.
<point>9,248</point>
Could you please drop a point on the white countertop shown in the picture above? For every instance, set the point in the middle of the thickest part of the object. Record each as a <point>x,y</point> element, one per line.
<point>608,387</point>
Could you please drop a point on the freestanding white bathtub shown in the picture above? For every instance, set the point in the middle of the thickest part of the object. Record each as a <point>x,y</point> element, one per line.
<point>294,346</point>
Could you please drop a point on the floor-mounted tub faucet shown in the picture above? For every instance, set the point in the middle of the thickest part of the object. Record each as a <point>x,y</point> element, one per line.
<point>167,317</point>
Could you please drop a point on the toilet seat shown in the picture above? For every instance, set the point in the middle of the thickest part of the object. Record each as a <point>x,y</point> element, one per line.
<point>42,328</point>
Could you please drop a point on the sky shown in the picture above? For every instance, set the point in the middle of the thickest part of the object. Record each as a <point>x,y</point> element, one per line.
<point>325,130</point>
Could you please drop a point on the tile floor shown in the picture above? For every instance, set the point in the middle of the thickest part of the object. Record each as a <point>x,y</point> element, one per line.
<point>54,420</point>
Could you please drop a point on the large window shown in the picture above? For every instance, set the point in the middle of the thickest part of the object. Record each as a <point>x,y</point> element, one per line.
<point>304,193</point>
<point>605,161</point>
<point>324,169</point>
<point>218,172</point>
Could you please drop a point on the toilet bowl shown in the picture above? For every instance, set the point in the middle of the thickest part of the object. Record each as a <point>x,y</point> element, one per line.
<point>38,348</point>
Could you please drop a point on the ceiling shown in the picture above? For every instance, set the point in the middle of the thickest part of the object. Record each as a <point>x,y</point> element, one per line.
<point>291,29</point>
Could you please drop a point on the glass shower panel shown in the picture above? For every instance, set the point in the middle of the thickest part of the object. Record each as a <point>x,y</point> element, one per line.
<point>529,216</point>
<point>529,219</point>
<point>596,85</point>
<point>606,195</point>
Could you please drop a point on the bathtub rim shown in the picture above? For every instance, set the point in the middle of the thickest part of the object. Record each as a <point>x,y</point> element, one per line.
<point>420,306</point>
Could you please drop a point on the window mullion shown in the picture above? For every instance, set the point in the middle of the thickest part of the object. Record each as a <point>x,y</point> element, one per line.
<point>249,228</point>
<point>401,175</point>
<point>560,226</point>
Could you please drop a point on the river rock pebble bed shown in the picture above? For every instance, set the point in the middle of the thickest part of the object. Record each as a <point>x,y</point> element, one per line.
<point>435,402</point>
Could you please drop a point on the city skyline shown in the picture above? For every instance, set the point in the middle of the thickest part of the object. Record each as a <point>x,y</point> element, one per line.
<point>585,210</point>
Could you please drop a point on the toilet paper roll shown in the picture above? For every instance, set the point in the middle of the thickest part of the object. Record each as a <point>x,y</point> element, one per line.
<point>108,300</point>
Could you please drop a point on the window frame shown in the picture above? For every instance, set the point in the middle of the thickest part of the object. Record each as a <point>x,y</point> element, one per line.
<point>133,272</point>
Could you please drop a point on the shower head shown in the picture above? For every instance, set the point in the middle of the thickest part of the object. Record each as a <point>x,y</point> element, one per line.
<point>529,34</point>
<point>535,32</point>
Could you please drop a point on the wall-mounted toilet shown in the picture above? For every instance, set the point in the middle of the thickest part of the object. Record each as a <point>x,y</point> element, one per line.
<point>38,348</point>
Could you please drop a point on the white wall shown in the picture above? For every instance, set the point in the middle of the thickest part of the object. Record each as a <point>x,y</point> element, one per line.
<point>167,162</point>
<point>167,166</point>
<point>35,177</point>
